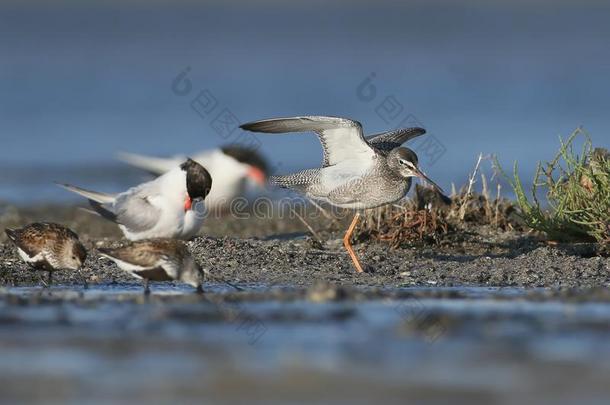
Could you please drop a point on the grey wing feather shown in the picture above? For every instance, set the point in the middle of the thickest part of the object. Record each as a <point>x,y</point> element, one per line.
<point>393,139</point>
<point>299,124</point>
<point>341,138</point>
<point>133,210</point>
<point>103,198</point>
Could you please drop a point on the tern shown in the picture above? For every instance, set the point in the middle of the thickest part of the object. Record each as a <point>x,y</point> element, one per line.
<point>231,167</point>
<point>170,206</point>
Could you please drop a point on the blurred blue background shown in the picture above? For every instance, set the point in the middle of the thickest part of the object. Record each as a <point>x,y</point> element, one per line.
<point>82,80</point>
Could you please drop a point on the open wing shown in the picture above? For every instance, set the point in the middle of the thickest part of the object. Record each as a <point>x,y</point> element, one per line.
<point>393,139</point>
<point>342,139</point>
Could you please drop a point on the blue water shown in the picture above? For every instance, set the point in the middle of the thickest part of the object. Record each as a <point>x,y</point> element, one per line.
<point>79,82</point>
<point>488,345</point>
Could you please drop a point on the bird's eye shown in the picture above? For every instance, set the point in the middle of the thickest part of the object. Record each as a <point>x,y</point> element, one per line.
<point>402,162</point>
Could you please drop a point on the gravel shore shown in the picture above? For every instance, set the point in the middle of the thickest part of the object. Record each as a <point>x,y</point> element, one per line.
<point>274,251</point>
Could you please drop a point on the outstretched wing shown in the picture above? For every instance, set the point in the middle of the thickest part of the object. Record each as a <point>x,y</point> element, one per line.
<point>393,139</point>
<point>342,139</point>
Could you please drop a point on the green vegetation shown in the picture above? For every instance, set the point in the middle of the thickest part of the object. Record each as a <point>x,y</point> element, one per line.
<point>577,191</point>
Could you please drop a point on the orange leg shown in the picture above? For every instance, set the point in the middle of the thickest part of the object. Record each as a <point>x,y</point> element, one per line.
<point>348,245</point>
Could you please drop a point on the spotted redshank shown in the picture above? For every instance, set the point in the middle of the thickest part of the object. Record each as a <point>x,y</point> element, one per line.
<point>357,172</point>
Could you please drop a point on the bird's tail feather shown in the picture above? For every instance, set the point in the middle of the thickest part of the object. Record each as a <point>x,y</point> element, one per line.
<point>106,252</point>
<point>280,181</point>
<point>151,164</point>
<point>11,233</point>
<point>299,181</point>
<point>99,210</point>
<point>102,198</point>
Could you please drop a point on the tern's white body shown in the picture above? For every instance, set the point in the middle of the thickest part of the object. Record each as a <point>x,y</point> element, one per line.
<point>166,195</point>
<point>155,209</point>
<point>230,176</point>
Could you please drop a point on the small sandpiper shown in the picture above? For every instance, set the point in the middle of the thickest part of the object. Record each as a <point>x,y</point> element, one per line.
<point>356,172</point>
<point>48,247</point>
<point>157,260</point>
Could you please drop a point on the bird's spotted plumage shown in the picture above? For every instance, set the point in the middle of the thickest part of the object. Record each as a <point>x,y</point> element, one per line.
<point>356,172</point>
<point>48,246</point>
<point>157,260</point>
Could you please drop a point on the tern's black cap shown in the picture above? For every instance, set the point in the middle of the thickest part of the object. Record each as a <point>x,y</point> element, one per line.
<point>198,179</point>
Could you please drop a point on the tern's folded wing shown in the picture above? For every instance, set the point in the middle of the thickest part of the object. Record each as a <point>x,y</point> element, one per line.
<point>136,211</point>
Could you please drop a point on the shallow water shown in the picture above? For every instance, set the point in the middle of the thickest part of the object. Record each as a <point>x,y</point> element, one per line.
<point>469,344</point>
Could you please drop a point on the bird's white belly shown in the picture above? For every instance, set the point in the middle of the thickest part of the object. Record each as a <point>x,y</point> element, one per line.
<point>26,258</point>
<point>193,220</point>
<point>228,178</point>
<point>339,175</point>
<point>128,267</point>
<point>355,205</point>
<point>222,194</point>
<point>352,187</point>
